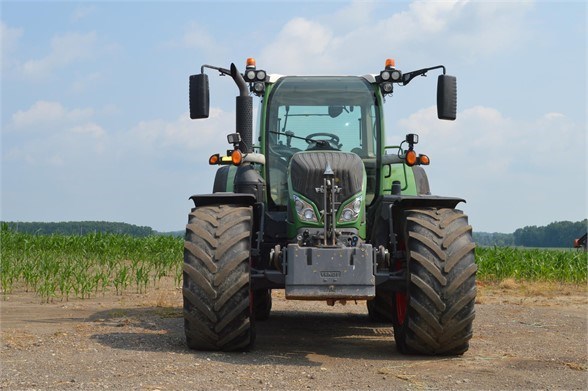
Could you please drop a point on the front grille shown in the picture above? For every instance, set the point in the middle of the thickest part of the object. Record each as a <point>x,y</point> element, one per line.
<point>307,173</point>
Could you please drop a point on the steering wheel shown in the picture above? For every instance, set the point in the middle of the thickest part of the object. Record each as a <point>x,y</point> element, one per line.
<point>331,143</point>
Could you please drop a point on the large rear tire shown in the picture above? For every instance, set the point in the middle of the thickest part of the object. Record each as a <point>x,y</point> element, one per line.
<point>435,315</point>
<point>217,310</point>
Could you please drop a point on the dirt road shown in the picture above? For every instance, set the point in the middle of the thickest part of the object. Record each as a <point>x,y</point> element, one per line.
<point>521,341</point>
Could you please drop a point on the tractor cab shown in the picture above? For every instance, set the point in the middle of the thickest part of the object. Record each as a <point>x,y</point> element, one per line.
<point>317,114</point>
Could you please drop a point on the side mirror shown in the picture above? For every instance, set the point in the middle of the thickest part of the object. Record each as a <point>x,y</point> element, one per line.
<point>447,97</point>
<point>199,96</point>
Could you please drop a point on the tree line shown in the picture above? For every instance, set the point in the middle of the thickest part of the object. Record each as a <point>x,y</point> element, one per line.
<point>78,228</point>
<point>557,234</point>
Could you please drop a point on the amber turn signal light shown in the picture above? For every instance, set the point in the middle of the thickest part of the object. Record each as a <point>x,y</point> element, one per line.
<point>424,160</point>
<point>214,159</point>
<point>411,158</point>
<point>236,157</point>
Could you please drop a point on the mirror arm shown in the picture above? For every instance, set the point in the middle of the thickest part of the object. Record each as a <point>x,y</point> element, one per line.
<point>407,77</point>
<point>234,73</point>
<point>222,71</point>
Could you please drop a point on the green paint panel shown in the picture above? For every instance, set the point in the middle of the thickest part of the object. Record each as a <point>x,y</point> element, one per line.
<point>401,173</point>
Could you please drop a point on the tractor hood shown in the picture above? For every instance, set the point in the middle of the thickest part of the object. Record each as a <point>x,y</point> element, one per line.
<point>307,173</point>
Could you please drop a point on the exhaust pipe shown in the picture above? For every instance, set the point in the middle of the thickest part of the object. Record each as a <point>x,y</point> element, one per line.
<point>244,112</point>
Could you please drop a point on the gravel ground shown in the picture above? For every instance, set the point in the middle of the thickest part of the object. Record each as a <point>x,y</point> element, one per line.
<point>523,339</point>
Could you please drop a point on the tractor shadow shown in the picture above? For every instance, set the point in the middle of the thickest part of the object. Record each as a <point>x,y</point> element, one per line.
<point>286,338</point>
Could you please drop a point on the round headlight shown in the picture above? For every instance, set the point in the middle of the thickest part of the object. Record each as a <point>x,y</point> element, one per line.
<point>387,87</point>
<point>308,214</point>
<point>385,75</point>
<point>260,75</point>
<point>250,75</point>
<point>395,75</point>
<point>347,215</point>
<point>258,86</point>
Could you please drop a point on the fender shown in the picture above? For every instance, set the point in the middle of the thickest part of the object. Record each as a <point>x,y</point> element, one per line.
<point>420,201</point>
<point>224,179</point>
<point>223,198</point>
<point>387,214</point>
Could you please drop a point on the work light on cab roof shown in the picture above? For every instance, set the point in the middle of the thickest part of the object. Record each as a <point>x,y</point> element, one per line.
<point>255,77</point>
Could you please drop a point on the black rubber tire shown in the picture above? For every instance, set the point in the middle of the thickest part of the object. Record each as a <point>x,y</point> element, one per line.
<point>442,284</point>
<point>381,308</point>
<point>262,303</point>
<point>216,286</point>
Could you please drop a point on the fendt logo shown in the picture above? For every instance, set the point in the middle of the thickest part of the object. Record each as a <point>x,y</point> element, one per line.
<point>330,274</point>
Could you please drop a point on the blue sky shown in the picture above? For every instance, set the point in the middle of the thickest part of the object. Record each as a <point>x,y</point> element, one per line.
<point>94,99</point>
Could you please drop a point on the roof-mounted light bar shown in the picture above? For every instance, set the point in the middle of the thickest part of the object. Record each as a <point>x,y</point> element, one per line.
<point>255,77</point>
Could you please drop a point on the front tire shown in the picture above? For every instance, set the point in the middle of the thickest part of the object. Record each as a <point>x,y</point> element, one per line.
<point>217,310</point>
<point>435,315</point>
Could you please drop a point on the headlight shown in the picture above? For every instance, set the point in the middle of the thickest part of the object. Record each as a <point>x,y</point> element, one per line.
<point>304,210</point>
<point>258,86</point>
<point>250,75</point>
<point>395,75</point>
<point>386,87</point>
<point>351,210</point>
<point>260,75</point>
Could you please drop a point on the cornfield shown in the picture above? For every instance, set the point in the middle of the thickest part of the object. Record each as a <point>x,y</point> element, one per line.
<point>60,266</point>
<point>558,265</point>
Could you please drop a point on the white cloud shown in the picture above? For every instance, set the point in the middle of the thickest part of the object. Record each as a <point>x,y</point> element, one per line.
<point>82,84</point>
<point>19,154</point>
<point>9,37</point>
<point>43,113</point>
<point>483,134</point>
<point>355,15</point>
<point>55,135</point>
<point>507,169</point>
<point>9,40</point>
<point>300,39</point>
<point>91,129</point>
<point>65,49</point>
<point>460,29</point>
<point>40,112</point>
<point>53,129</point>
<point>201,136</point>
<point>196,37</point>
<point>82,12</point>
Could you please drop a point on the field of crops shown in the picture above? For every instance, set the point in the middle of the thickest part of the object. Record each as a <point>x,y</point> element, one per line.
<point>59,266</point>
<point>557,265</point>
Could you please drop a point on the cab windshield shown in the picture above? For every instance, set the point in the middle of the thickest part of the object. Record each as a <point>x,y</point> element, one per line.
<point>319,113</point>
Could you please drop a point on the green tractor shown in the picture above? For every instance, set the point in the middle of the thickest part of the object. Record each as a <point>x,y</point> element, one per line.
<point>320,206</point>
